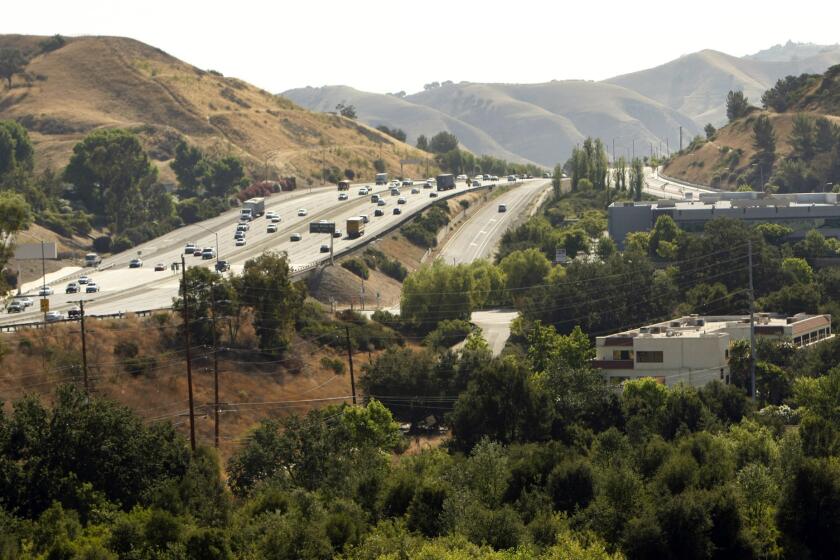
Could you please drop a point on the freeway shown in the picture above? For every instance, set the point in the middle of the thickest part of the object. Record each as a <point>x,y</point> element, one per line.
<point>659,186</point>
<point>124,289</point>
<point>479,236</point>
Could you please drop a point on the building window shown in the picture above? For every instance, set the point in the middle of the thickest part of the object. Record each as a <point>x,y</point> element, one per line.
<point>649,357</point>
<point>622,354</point>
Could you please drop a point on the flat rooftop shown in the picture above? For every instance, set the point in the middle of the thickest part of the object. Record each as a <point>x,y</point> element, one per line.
<point>730,200</point>
<point>697,326</point>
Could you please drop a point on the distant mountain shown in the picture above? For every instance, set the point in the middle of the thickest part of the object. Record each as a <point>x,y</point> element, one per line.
<point>791,51</point>
<point>542,122</point>
<point>697,84</point>
<point>538,123</point>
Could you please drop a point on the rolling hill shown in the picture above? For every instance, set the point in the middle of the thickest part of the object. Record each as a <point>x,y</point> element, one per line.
<point>95,82</point>
<point>542,122</point>
<point>726,158</point>
<point>697,84</point>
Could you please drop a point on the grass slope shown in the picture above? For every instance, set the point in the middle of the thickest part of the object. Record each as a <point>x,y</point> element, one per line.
<point>95,82</point>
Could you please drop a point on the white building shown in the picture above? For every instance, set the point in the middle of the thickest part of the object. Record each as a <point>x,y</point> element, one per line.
<point>695,350</point>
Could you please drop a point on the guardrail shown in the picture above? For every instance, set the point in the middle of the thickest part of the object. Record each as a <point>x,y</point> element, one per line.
<point>119,315</point>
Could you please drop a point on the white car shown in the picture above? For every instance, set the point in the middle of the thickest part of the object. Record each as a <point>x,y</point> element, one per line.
<point>363,191</point>
<point>275,219</point>
<point>14,307</point>
<point>461,178</point>
<point>342,196</point>
<point>91,288</point>
<point>135,263</point>
<point>190,248</point>
<point>401,200</point>
<point>272,228</point>
<point>240,242</point>
<point>45,291</point>
<point>476,183</point>
<point>271,214</point>
<point>295,237</point>
<point>84,279</point>
<point>302,212</point>
<point>25,301</point>
<point>52,316</point>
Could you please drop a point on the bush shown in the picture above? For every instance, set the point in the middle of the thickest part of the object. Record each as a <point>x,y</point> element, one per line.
<point>334,364</point>
<point>448,333</point>
<point>102,244</point>
<point>121,243</point>
<point>357,266</point>
<point>379,165</point>
<point>374,258</point>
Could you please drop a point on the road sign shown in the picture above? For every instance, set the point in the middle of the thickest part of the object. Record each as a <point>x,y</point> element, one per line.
<point>322,227</point>
<point>45,305</point>
<point>560,255</point>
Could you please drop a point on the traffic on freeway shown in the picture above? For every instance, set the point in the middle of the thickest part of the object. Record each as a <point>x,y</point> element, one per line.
<point>152,283</point>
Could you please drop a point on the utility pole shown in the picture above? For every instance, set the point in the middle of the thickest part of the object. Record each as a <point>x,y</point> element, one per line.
<point>680,138</point>
<point>189,357</point>
<point>215,369</point>
<point>84,343</point>
<point>44,306</point>
<point>350,360</point>
<point>613,151</point>
<point>752,322</point>
<point>634,148</point>
<point>667,148</point>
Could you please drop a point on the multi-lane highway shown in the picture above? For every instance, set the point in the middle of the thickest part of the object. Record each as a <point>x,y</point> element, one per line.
<point>124,289</point>
<point>479,236</point>
<point>661,187</point>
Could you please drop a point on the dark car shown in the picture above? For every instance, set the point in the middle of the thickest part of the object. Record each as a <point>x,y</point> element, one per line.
<point>378,212</point>
<point>397,211</point>
<point>222,266</point>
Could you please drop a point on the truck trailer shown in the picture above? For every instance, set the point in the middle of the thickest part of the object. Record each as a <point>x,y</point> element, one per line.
<point>381,178</point>
<point>445,182</point>
<point>355,227</point>
<point>252,208</point>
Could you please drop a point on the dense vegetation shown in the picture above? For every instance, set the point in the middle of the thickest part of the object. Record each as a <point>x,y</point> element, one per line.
<point>450,158</point>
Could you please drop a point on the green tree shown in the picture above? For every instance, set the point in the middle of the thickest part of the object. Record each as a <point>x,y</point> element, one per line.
<point>16,151</point>
<point>347,111</point>
<point>190,167</point>
<point>422,143</point>
<point>226,176</point>
<point>764,142</point>
<point>605,248</point>
<point>798,270</point>
<point>108,169</point>
<point>737,105</point>
<point>710,131</point>
<point>525,268</point>
<point>826,135</point>
<point>501,403</point>
<point>802,137</point>
<point>443,142</point>
<point>267,288</point>
<point>637,179</point>
<point>12,61</point>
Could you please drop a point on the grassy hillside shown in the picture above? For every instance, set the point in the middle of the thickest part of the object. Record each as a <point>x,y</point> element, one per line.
<point>95,82</point>
<point>726,159</point>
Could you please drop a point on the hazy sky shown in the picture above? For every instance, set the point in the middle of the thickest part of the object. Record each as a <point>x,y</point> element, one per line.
<point>392,45</point>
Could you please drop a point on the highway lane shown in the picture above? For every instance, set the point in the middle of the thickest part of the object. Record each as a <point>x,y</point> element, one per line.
<point>663,188</point>
<point>479,236</point>
<point>126,289</point>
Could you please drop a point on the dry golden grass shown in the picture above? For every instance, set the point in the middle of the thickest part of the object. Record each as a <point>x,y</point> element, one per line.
<point>702,165</point>
<point>96,82</point>
<point>37,361</point>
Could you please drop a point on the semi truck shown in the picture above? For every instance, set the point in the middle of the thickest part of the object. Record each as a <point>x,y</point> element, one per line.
<point>355,227</point>
<point>344,185</point>
<point>445,182</point>
<point>252,208</point>
<point>381,178</point>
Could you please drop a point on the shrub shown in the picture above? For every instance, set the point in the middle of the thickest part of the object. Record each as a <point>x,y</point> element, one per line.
<point>448,333</point>
<point>334,364</point>
<point>102,244</point>
<point>357,266</point>
<point>121,243</point>
<point>374,258</point>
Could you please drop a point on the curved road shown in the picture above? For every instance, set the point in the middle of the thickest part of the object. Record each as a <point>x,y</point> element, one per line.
<point>479,236</point>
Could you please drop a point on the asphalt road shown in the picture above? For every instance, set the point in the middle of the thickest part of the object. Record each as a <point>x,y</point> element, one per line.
<point>479,236</point>
<point>660,187</point>
<point>124,289</point>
